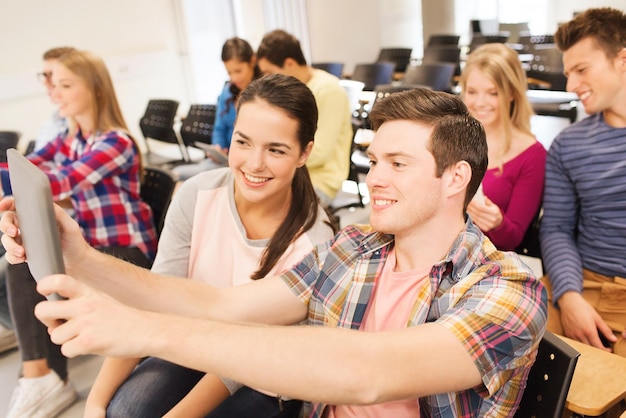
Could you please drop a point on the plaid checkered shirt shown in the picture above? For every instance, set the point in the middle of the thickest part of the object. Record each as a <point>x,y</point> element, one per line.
<point>489,299</point>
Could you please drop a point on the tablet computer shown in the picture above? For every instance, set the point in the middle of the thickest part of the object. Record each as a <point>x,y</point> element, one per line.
<point>35,213</point>
<point>214,151</point>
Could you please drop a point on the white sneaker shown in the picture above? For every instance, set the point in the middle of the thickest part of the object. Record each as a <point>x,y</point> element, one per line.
<point>7,339</point>
<point>41,397</point>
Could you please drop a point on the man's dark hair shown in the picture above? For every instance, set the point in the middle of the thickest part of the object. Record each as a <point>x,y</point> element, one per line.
<point>278,45</point>
<point>606,26</point>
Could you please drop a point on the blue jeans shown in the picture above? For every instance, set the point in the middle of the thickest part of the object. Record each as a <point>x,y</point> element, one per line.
<point>247,402</point>
<point>153,388</point>
<point>157,385</point>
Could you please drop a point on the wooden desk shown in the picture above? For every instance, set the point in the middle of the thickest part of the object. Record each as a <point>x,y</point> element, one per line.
<point>599,381</point>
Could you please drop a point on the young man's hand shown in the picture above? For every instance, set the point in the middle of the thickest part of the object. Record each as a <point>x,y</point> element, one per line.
<point>581,322</point>
<point>89,321</point>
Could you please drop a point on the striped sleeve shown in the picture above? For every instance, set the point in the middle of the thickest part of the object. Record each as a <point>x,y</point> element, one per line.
<point>584,222</point>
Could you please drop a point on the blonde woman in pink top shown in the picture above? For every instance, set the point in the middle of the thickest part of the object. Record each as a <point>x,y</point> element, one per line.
<point>494,90</point>
<point>255,218</point>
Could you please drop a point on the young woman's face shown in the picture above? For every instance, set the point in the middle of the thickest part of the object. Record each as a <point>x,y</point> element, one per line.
<point>481,98</point>
<point>240,73</point>
<point>265,153</point>
<point>71,94</point>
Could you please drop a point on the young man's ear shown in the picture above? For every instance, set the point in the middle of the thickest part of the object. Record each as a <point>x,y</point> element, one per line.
<point>460,175</point>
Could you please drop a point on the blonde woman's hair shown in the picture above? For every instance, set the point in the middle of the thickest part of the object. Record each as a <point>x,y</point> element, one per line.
<point>502,65</point>
<point>55,53</point>
<point>107,115</point>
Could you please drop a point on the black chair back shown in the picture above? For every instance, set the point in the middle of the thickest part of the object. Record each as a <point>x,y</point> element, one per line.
<point>549,379</point>
<point>479,39</point>
<point>530,245</point>
<point>547,66</point>
<point>158,121</point>
<point>438,76</point>
<point>8,139</point>
<point>443,39</point>
<point>157,188</point>
<point>198,124</point>
<point>157,124</point>
<point>335,68</point>
<point>374,74</point>
<point>444,53</point>
<point>400,56</point>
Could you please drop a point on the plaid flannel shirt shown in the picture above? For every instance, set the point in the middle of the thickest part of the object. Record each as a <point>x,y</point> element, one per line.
<point>489,299</point>
<point>100,175</point>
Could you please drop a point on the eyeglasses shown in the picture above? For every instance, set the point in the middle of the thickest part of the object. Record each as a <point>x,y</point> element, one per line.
<point>44,76</point>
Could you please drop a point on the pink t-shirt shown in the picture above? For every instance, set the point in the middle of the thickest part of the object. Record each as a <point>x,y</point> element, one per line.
<point>394,298</point>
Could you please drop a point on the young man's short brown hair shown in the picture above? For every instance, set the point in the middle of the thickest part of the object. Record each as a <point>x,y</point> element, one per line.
<point>607,27</point>
<point>456,135</point>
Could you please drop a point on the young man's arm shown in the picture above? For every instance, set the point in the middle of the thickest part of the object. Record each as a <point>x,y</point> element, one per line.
<point>263,301</point>
<point>322,364</point>
<point>561,255</point>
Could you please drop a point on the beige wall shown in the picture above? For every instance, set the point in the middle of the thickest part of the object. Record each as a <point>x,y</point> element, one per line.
<point>346,31</point>
<point>439,18</point>
<point>136,38</point>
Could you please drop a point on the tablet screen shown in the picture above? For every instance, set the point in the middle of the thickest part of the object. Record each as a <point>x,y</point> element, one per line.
<point>35,213</point>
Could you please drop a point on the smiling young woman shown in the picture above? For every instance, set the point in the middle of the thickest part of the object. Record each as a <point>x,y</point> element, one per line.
<point>494,90</point>
<point>227,227</point>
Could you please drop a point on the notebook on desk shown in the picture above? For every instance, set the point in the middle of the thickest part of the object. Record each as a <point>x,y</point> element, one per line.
<point>35,213</point>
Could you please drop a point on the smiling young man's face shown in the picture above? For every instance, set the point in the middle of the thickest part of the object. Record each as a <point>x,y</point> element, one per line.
<point>404,190</point>
<point>597,79</point>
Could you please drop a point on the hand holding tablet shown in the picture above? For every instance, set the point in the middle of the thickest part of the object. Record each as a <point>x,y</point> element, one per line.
<point>35,212</point>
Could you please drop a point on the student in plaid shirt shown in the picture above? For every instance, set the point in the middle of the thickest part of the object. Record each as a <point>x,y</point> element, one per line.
<point>94,169</point>
<point>416,314</point>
